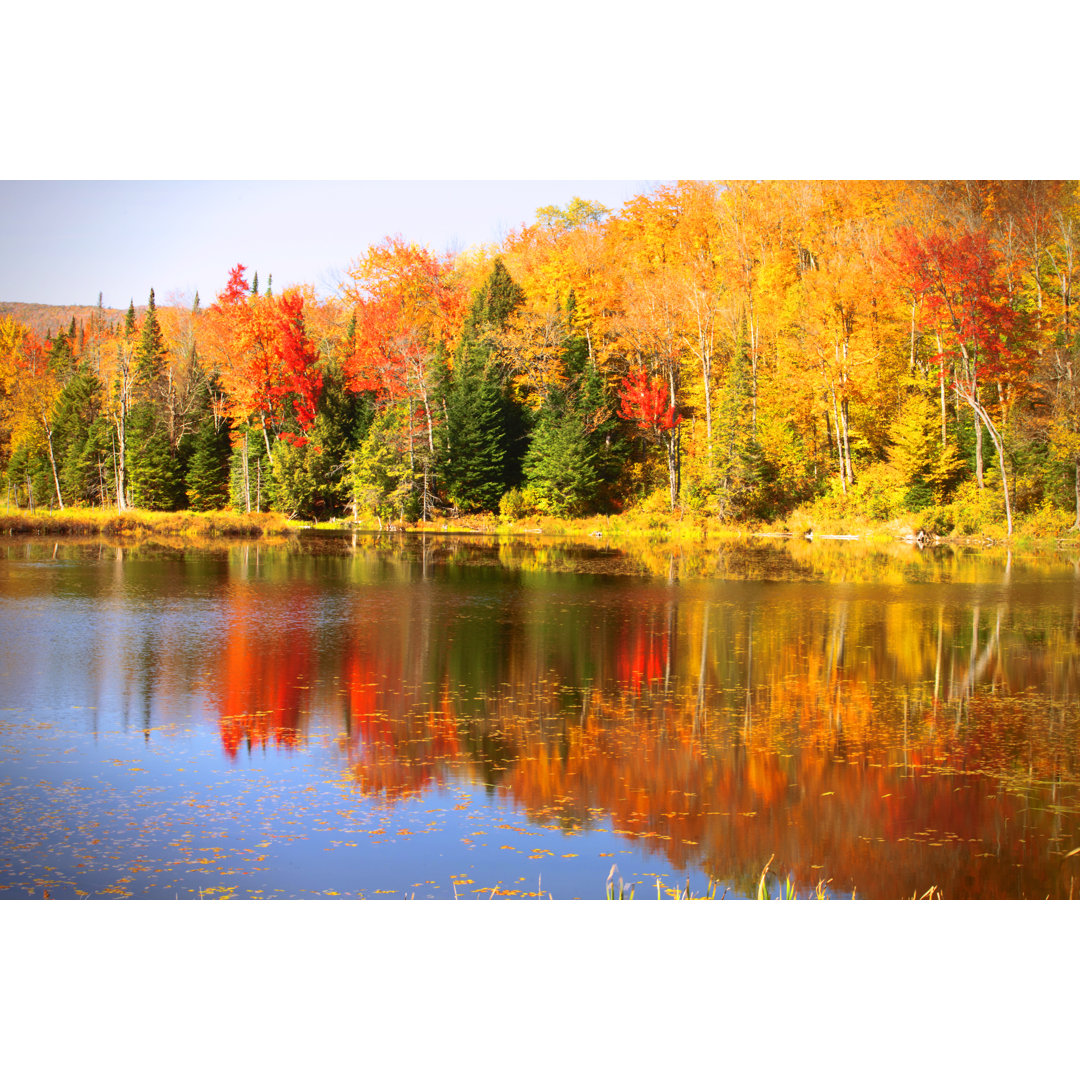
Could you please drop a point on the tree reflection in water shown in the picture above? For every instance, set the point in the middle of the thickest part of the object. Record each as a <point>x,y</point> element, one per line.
<point>886,724</point>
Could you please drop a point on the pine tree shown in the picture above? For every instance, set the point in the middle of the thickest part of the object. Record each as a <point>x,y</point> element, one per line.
<point>129,321</point>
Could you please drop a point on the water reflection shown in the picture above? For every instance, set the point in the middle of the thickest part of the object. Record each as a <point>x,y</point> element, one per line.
<point>886,721</point>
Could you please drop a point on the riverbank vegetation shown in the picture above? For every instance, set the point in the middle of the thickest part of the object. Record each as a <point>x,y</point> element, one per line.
<point>788,355</point>
<point>89,521</point>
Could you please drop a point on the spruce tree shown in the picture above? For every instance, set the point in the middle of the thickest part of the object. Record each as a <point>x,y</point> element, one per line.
<point>560,465</point>
<point>472,442</point>
<point>129,321</point>
<point>77,409</point>
<point>255,284</point>
<point>494,302</point>
<point>150,467</point>
<point>270,285</point>
<point>195,306</point>
<point>207,475</point>
<point>150,354</point>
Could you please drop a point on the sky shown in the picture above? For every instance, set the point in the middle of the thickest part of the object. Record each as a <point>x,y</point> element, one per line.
<point>64,241</point>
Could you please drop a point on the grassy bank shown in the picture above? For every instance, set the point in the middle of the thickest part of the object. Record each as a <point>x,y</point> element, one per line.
<point>134,523</point>
<point>644,522</point>
<point>1029,533</point>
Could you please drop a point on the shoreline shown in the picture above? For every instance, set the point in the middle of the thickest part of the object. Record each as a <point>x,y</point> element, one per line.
<point>630,526</point>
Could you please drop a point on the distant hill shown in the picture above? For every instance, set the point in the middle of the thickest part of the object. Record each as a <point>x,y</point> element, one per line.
<point>52,318</point>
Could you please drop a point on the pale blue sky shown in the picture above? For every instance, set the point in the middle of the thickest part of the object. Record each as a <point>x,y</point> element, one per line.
<point>64,241</point>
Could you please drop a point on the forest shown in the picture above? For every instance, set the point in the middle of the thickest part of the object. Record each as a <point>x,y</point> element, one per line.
<point>741,352</point>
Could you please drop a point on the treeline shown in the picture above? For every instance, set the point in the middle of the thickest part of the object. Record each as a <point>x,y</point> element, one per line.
<point>739,351</point>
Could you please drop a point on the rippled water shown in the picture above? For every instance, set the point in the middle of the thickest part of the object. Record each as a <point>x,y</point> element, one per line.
<point>393,716</point>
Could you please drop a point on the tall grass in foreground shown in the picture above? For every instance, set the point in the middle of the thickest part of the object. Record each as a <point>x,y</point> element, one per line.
<point>93,522</point>
<point>786,890</point>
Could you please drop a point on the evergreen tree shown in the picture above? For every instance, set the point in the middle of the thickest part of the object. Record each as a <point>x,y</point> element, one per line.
<point>207,473</point>
<point>485,425</point>
<point>249,471</point>
<point>61,356</point>
<point>560,465</point>
<point>270,285</point>
<point>129,321</point>
<point>150,353</point>
<point>195,305</point>
<point>77,436</point>
<point>472,441</point>
<point>150,468</point>
<point>574,453</point>
<point>494,302</point>
<point>255,284</point>
<point>342,424</point>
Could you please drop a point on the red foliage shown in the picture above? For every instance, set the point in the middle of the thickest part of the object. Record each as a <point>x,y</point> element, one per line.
<point>407,302</point>
<point>644,400</point>
<point>237,288</point>
<point>271,362</point>
<point>303,378</point>
<point>956,280</point>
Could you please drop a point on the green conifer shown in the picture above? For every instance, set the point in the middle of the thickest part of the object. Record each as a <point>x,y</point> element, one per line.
<point>207,473</point>
<point>150,467</point>
<point>151,352</point>
<point>473,439</point>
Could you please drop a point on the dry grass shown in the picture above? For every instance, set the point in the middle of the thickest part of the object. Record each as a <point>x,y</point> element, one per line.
<point>86,522</point>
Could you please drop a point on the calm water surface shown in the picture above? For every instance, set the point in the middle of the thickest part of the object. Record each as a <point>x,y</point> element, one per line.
<point>398,716</point>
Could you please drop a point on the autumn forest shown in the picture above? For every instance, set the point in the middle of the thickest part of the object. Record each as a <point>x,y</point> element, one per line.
<point>895,352</point>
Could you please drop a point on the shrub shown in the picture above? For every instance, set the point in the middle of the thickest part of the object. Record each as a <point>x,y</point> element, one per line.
<point>516,504</point>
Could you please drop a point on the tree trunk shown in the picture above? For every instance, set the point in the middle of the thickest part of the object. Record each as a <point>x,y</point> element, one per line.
<point>978,446</point>
<point>52,461</point>
<point>1076,523</point>
<point>266,439</point>
<point>672,447</point>
<point>121,463</point>
<point>247,477</point>
<point>943,432</point>
<point>999,445</point>
<point>847,444</point>
<point>911,359</point>
<point>753,379</point>
<point>839,441</point>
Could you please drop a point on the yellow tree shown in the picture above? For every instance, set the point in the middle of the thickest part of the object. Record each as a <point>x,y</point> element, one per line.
<point>409,308</point>
<point>32,389</point>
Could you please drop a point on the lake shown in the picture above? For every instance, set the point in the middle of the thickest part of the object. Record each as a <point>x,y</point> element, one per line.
<point>431,716</point>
